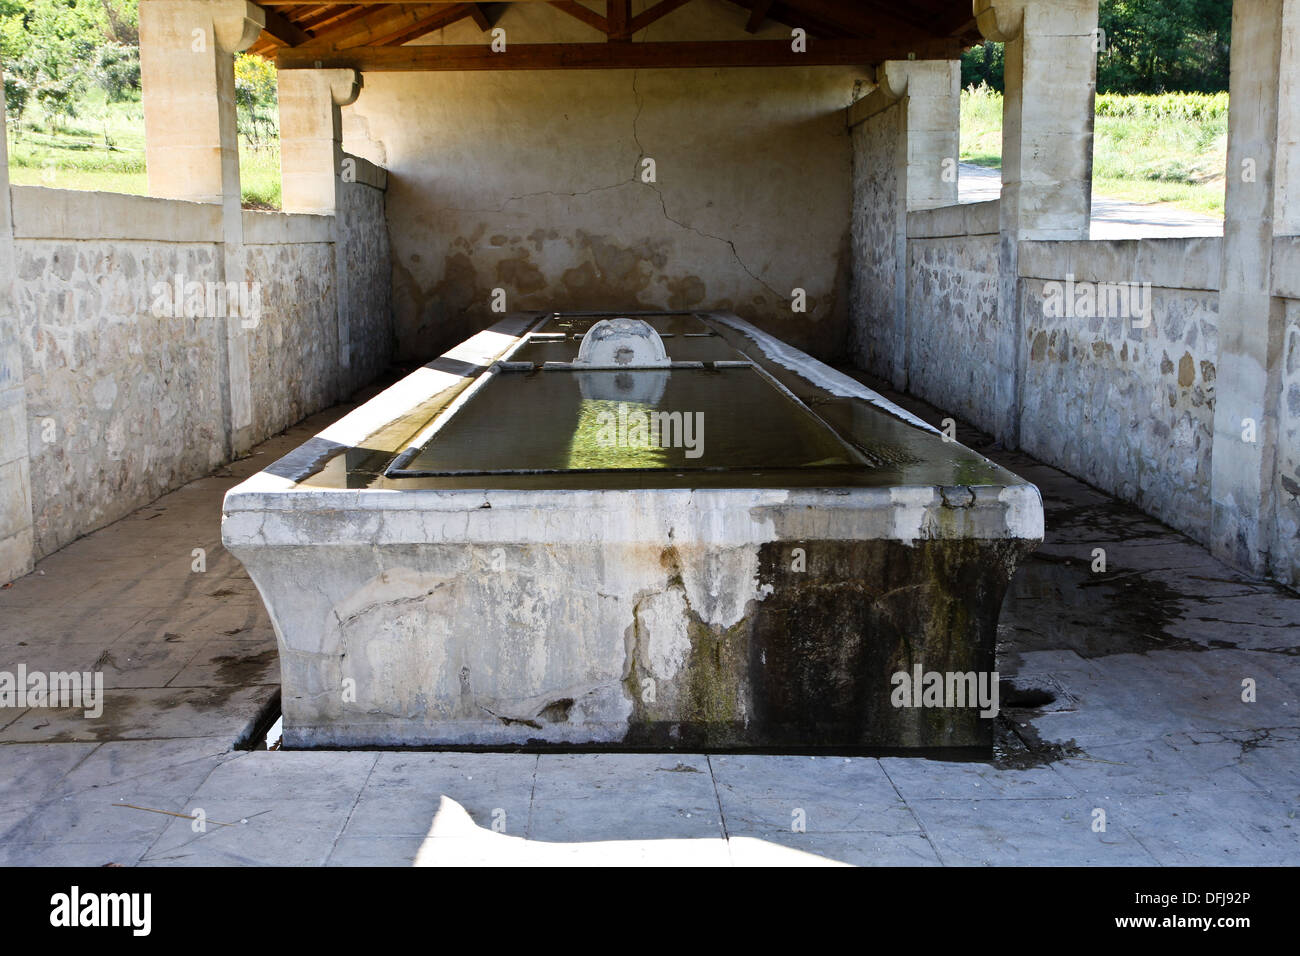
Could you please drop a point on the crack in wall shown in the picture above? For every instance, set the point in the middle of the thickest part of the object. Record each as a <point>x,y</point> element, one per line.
<point>642,154</point>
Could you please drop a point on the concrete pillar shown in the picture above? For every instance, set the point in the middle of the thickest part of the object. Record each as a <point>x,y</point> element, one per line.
<point>927,97</point>
<point>311,136</point>
<point>1262,125</point>
<point>313,167</point>
<point>1048,107</point>
<point>928,92</point>
<point>187,76</point>
<point>16,539</point>
<point>1047,112</point>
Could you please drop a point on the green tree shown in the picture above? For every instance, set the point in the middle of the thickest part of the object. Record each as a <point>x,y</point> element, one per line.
<point>255,99</point>
<point>117,70</point>
<point>1151,46</point>
<point>1157,46</point>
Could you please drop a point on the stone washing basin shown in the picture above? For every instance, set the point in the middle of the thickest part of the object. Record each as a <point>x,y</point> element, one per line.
<point>497,551</point>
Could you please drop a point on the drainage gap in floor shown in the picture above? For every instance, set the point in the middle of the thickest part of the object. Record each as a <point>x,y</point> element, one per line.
<point>263,732</point>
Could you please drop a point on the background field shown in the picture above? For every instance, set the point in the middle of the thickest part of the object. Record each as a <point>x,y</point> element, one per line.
<point>1149,148</point>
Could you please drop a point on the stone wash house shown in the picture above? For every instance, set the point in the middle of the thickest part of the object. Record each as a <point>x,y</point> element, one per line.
<point>447,167</point>
<point>422,170</point>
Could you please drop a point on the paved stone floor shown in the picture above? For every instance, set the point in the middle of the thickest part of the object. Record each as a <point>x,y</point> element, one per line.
<point>1127,700</point>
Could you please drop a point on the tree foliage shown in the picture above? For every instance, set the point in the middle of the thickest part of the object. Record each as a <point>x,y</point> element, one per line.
<point>52,50</point>
<point>1151,46</point>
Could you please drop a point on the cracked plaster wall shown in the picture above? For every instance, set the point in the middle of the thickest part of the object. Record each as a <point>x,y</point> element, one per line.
<point>530,182</point>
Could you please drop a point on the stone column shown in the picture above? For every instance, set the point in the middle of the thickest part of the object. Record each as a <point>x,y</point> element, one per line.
<point>16,539</point>
<point>924,134</point>
<point>929,94</point>
<point>1047,123</point>
<point>187,77</point>
<point>1262,126</point>
<point>313,168</point>
<point>311,136</point>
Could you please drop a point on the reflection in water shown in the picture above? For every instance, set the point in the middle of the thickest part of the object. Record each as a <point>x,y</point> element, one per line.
<point>613,434</point>
<point>551,421</point>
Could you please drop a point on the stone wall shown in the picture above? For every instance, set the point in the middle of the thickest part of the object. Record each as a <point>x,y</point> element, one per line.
<point>878,221</point>
<point>126,385</point>
<point>953,327</point>
<point>1126,405</point>
<point>293,353</point>
<point>363,230</point>
<point>532,182</point>
<point>1124,401</point>
<point>1285,543</point>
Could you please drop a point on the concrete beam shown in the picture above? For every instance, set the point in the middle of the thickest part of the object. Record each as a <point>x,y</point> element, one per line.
<point>187,74</point>
<point>312,166</point>
<point>932,89</point>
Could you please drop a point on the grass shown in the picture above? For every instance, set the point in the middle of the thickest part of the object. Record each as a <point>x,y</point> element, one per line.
<point>1170,148</point>
<point>102,149</point>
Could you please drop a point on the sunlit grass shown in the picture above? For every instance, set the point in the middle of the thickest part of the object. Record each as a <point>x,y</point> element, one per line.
<point>102,149</point>
<point>1170,148</point>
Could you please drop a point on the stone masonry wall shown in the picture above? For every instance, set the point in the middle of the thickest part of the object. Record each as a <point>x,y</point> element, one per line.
<point>952,324</point>
<point>1285,547</point>
<point>1128,409</point>
<point>126,394</point>
<point>873,339</point>
<point>122,406</point>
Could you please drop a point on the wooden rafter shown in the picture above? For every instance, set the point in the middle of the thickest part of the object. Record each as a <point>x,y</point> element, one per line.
<point>618,14</point>
<point>650,14</point>
<point>855,19</point>
<point>614,56</point>
<point>284,31</point>
<point>302,33</point>
<point>319,16</point>
<point>622,25</point>
<point>416,23</point>
<point>585,14</point>
<point>757,14</point>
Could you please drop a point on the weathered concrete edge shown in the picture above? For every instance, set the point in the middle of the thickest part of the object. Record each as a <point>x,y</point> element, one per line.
<point>949,222</point>
<point>815,372</point>
<point>261,513</point>
<point>467,360</point>
<point>272,508</point>
<point>43,213</point>
<point>1286,267</point>
<point>282,228</point>
<point>1173,263</point>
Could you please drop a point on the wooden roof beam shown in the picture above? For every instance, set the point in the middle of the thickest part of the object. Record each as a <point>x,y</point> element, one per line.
<point>615,56</point>
<point>650,14</point>
<point>284,31</point>
<point>618,14</point>
<point>585,14</point>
